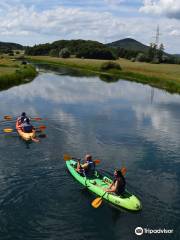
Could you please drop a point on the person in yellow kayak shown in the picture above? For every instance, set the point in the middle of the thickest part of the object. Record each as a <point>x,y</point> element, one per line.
<point>87,169</point>
<point>118,185</point>
<point>21,118</point>
<point>27,126</point>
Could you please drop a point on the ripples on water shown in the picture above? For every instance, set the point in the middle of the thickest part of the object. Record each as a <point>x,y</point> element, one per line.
<point>121,123</point>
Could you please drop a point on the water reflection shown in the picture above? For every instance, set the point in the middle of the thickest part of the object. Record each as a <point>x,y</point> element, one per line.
<point>120,123</point>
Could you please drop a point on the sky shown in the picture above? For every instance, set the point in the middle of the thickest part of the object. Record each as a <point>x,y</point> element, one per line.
<point>30,22</point>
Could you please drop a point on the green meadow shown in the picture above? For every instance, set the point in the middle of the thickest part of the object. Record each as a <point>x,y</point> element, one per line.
<point>163,76</point>
<point>13,72</point>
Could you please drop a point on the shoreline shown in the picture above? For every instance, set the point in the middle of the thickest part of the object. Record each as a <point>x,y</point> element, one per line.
<point>18,76</point>
<point>94,66</point>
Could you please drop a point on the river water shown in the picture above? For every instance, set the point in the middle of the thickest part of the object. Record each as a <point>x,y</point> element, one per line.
<point>121,123</point>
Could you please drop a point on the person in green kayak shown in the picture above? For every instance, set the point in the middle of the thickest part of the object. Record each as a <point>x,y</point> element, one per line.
<point>87,169</point>
<point>118,185</point>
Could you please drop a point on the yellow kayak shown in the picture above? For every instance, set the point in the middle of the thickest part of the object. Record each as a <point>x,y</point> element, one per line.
<point>25,136</point>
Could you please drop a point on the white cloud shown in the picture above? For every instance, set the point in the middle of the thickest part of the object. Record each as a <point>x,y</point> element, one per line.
<point>175,33</point>
<point>62,22</point>
<point>169,8</point>
<point>31,25</point>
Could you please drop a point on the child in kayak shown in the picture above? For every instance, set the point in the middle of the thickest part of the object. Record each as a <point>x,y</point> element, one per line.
<point>88,168</point>
<point>118,185</point>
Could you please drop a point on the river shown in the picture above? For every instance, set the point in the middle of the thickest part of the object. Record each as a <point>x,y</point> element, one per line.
<point>121,123</point>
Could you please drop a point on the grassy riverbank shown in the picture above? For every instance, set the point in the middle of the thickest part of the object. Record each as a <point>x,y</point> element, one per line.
<point>164,76</point>
<point>13,73</point>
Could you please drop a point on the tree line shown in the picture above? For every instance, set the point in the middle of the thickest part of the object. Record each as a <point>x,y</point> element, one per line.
<point>96,50</point>
<point>78,48</point>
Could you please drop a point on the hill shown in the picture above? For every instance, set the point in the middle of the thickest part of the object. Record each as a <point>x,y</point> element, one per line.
<point>129,44</point>
<point>79,48</point>
<point>7,46</point>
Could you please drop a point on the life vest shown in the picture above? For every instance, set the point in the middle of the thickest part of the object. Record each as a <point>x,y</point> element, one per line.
<point>27,128</point>
<point>89,171</point>
<point>121,184</point>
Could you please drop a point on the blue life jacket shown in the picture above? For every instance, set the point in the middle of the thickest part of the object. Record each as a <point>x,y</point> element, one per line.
<point>89,171</point>
<point>27,127</point>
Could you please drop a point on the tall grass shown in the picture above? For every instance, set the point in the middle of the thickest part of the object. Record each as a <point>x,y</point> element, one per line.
<point>17,77</point>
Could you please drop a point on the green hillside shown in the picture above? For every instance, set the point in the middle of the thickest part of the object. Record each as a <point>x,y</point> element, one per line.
<point>7,46</point>
<point>79,48</point>
<point>129,44</point>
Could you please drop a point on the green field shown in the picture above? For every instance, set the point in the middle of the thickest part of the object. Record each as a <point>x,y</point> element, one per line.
<point>12,72</point>
<point>163,76</point>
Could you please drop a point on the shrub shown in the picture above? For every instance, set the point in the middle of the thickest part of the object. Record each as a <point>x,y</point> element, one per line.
<point>64,53</point>
<point>54,53</point>
<point>95,53</point>
<point>141,57</point>
<point>110,65</point>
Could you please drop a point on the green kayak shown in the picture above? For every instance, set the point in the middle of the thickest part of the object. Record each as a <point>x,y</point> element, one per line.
<point>98,181</point>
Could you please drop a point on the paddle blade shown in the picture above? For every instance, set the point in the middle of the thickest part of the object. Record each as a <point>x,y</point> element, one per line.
<point>40,128</point>
<point>7,117</point>
<point>42,135</point>
<point>96,202</point>
<point>123,171</point>
<point>67,157</point>
<point>97,161</point>
<point>8,130</point>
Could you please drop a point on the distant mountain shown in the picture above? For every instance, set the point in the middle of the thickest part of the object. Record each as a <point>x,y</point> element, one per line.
<point>129,44</point>
<point>10,46</point>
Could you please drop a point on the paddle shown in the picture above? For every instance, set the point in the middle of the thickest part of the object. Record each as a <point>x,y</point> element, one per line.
<point>9,130</point>
<point>68,157</point>
<point>8,118</point>
<point>97,201</point>
<point>42,135</point>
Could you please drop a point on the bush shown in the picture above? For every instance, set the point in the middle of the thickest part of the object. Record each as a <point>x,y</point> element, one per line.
<point>110,65</point>
<point>141,57</point>
<point>95,53</point>
<point>64,53</point>
<point>54,53</point>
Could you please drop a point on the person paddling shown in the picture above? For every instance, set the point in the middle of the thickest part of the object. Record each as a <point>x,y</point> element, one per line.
<point>28,128</point>
<point>88,168</point>
<point>21,118</point>
<point>118,185</point>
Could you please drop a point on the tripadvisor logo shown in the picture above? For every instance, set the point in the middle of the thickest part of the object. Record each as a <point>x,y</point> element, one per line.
<point>139,231</point>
